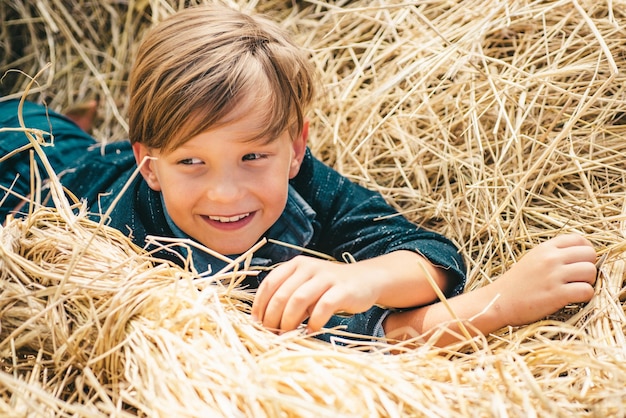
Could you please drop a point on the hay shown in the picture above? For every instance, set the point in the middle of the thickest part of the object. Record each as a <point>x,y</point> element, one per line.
<point>499,124</point>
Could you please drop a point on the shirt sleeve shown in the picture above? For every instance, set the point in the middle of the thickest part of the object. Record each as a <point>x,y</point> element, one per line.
<point>356,221</point>
<point>64,143</point>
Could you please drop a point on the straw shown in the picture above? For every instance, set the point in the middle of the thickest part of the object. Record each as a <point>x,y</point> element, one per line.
<point>497,124</point>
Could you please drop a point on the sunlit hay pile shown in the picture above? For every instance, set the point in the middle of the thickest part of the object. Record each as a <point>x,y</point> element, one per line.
<point>499,124</point>
<point>91,327</point>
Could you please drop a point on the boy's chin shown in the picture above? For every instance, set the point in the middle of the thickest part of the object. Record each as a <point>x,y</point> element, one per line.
<point>232,250</point>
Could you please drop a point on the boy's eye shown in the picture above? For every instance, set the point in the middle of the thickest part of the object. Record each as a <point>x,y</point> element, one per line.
<point>253,156</point>
<point>190,161</point>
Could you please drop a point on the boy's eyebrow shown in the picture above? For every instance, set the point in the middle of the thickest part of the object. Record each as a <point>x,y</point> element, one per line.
<point>262,136</point>
<point>262,140</point>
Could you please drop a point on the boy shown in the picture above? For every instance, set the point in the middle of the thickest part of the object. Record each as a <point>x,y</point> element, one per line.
<point>218,127</point>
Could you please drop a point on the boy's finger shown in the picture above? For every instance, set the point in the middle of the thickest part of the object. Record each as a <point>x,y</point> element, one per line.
<point>301,303</point>
<point>325,307</point>
<point>578,254</point>
<point>568,240</point>
<point>275,306</point>
<point>267,288</point>
<point>580,292</point>
<point>582,272</point>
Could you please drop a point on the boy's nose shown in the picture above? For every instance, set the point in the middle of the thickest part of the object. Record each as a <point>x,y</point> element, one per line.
<point>223,189</point>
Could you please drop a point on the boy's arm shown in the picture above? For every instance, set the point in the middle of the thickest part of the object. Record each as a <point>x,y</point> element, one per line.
<point>550,276</point>
<point>353,220</point>
<point>306,287</point>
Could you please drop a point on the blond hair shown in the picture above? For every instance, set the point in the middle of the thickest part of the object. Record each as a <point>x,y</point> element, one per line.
<point>194,67</point>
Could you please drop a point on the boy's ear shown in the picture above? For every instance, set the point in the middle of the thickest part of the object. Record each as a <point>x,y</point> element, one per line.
<point>146,169</point>
<point>299,148</point>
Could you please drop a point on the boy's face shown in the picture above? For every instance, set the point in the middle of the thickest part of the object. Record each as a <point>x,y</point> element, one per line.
<point>220,188</point>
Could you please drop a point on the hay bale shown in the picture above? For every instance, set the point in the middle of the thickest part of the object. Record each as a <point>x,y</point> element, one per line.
<point>498,124</point>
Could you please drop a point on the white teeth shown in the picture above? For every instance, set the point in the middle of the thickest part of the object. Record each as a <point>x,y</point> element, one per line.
<point>226,219</point>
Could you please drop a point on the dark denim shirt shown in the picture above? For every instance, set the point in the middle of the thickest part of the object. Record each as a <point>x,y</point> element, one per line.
<point>325,212</point>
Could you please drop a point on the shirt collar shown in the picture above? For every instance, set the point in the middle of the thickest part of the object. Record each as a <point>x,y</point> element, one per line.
<point>294,227</point>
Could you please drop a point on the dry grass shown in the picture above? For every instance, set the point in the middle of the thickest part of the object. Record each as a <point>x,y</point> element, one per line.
<point>499,124</point>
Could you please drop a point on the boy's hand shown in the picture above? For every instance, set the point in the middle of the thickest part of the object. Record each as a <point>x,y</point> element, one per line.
<point>307,287</point>
<point>552,275</point>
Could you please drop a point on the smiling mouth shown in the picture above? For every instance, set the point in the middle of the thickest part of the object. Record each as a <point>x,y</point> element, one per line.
<point>229,219</point>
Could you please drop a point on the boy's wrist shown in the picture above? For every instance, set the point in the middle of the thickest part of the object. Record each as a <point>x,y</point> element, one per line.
<point>483,309</point>
<point>496,310</point>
